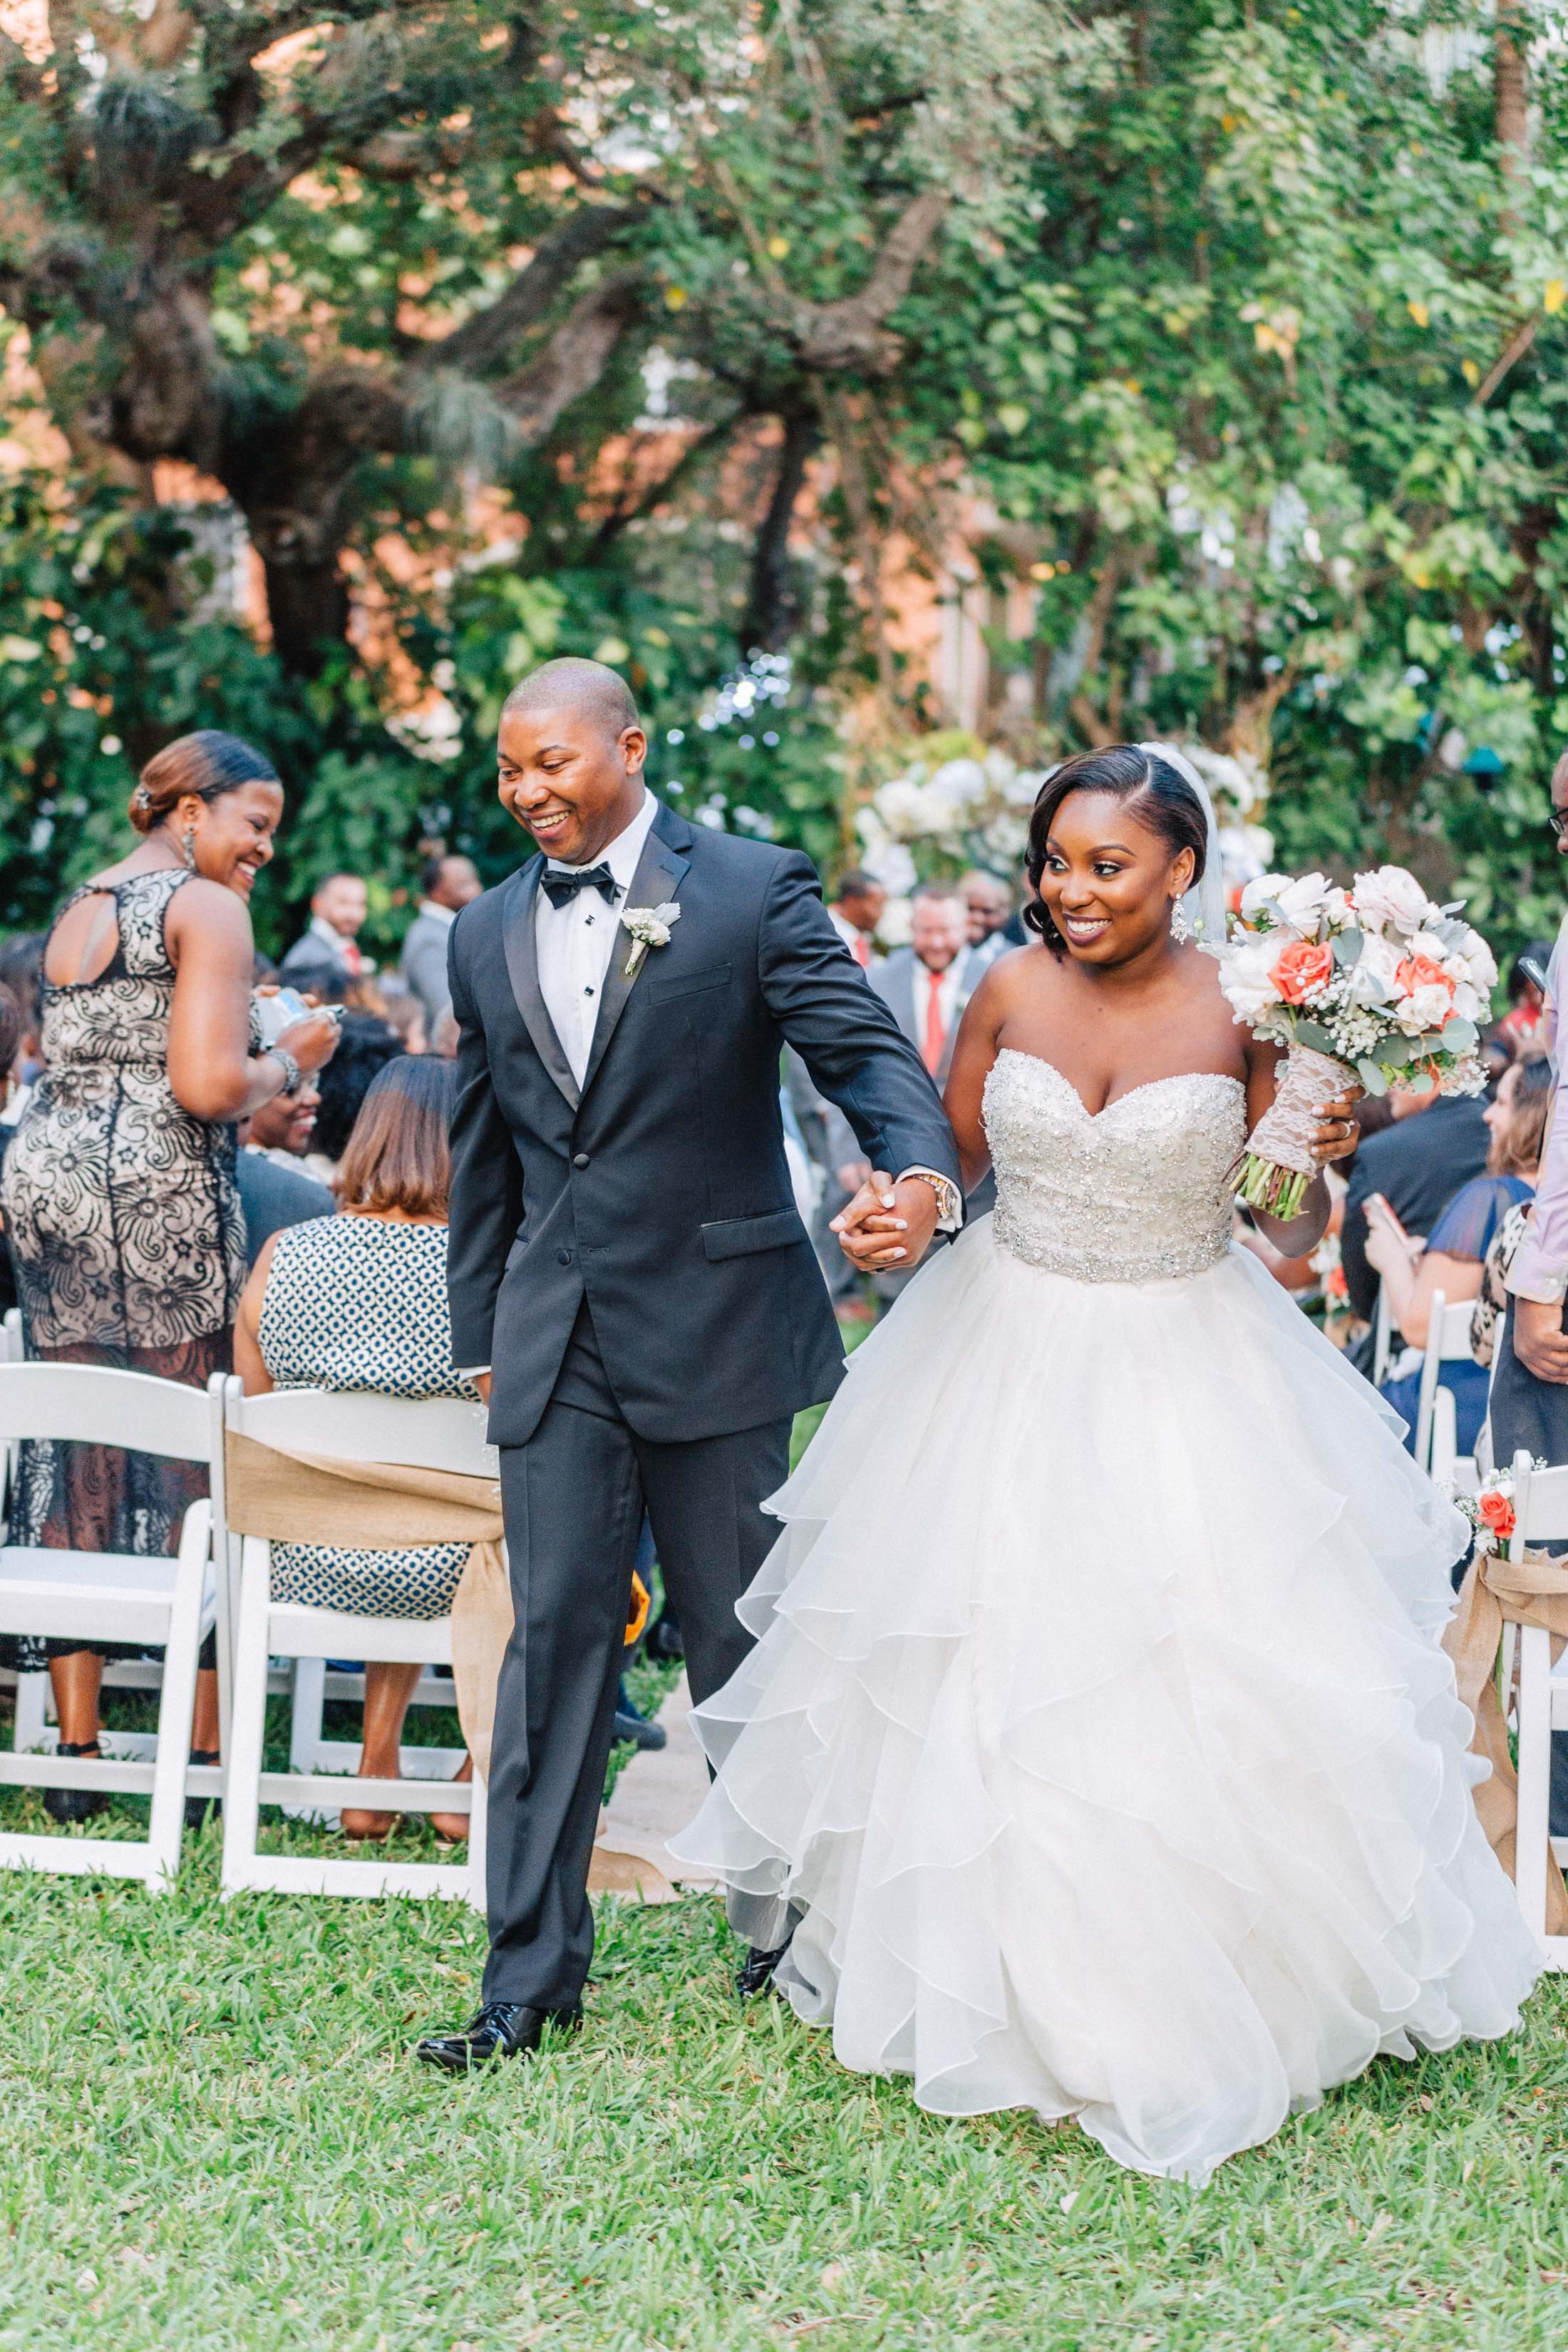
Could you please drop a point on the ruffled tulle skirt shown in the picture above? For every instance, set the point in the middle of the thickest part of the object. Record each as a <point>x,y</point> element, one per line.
<point>1097,1742</point>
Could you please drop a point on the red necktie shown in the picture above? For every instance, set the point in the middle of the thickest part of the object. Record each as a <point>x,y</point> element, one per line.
<point>936,1035</point>
<point>352,960</point>
<point>860,948</point>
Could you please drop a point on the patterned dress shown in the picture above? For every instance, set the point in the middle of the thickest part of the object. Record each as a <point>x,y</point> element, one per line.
<point>125,1229</point>
<point>354,1304</point>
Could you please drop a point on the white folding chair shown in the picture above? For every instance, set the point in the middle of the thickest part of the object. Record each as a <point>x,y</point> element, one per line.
<point>110,1596</point>
<point>433,1433</point>
<point>1382,1337</point>
<point>1541,1516</point>
<point>1447,1342</point>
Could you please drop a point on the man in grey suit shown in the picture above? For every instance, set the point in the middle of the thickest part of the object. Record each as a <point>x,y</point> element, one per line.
<point>926,985</point>
<point>447,885</point>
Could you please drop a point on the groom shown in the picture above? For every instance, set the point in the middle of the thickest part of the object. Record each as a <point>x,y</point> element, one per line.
<point>625,1252</point>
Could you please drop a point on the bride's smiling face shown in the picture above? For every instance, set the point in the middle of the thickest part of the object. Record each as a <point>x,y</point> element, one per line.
<point>1108,878</point>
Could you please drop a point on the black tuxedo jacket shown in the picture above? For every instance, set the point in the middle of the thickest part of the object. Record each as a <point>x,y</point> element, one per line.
<point>661,1188</point>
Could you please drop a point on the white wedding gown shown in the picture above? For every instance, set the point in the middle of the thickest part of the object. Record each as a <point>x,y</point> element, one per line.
<point>1097,1737</point>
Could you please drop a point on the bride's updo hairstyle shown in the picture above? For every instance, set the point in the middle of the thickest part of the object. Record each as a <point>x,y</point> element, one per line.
<point>208,764</point>
<point>1160,797</point>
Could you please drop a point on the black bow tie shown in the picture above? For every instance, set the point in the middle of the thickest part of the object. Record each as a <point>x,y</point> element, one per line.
<point>563,882</point>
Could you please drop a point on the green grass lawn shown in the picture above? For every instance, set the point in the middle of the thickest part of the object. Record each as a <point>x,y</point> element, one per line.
<point>216,2135</point>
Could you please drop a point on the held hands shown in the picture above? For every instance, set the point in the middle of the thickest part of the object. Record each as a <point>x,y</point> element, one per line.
<point>887,1225</point>
<point>1539,1341</point>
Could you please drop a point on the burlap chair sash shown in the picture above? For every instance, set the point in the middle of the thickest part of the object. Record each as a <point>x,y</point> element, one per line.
<point>310,1498</point>
<point>1497,1592</point>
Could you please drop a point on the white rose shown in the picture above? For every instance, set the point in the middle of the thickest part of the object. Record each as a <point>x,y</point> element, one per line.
<point>1244,977</point>
<point>1480,965</point>
<point>1426,1007</point>
<point>1468,1001</point>
<point>1303,900</point>
<point>1371,980</point>
<point>1257,895</point>
<point>1391,899</point>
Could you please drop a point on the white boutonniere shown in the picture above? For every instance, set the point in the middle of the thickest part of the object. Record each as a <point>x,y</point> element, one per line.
<point>650,928</point>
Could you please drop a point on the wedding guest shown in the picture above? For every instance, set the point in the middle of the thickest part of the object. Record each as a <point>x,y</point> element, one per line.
<point>328,949</point>
<point>1436,1144</point>
<point>358,1302</point>
<point>927,984</point>
<point>119,1190</point>
<point>10,1047</point>
<point>274,1189</point>
<point>21,964</point>
<point>1452,1259</point>
<point>855,912</point>
<point>367,1046</point>
<point>1532,1085</point>
<point>991,909</point>
<point>447,885</point>
<point>1522,1028</point>
<point>404,1014</point>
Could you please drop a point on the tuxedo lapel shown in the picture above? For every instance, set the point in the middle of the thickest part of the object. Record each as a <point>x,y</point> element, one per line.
<point>522,967</point>
<point>661,870</point>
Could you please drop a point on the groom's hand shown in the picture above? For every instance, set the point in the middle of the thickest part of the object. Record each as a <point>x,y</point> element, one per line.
<point>1539,1341</point>
<point>888,1225</point>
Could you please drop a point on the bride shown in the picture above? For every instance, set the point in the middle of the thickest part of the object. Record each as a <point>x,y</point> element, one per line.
<point>1097,1754</point>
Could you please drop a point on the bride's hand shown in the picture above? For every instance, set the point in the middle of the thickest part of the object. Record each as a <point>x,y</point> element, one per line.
<point>1337,1133</point>
<point>887,1225</point>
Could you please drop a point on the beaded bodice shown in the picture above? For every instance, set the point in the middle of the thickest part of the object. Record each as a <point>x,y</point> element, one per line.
<point>1137,1193</point>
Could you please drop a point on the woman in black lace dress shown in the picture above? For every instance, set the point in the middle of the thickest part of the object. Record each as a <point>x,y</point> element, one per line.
<point>125,1229</point>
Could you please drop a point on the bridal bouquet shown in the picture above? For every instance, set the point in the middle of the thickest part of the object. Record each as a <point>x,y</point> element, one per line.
<point>1372,987</point>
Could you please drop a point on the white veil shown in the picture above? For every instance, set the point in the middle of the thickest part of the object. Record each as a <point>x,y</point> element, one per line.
<point>1203,905</point>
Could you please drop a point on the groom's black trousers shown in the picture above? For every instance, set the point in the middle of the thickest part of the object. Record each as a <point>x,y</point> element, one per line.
<point>574,1498</point>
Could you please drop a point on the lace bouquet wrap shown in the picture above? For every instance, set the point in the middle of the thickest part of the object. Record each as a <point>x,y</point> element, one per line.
<point>1366,987</point>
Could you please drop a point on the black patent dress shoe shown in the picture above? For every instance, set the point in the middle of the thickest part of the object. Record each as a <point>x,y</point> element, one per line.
<point>756,1974</point>
<point>74,1804</point>
<point>632,1725</point>
<point>502,2029</point>
<point>663,1639</point>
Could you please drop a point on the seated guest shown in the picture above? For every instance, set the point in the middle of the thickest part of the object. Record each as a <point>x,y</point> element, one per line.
<point>358,1302</point>
<point>447,885</point>
<point>1533,1085</point>
<point>1452,1259</point>
<point>274,1189</point>
<point>1436,1144</point>
<point>328,949</point>
<point>366,1045</point>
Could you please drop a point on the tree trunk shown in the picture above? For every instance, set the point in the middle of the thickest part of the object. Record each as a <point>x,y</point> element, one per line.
<point>308,604</point>
<point>771,607</point>
<point>1510,99</point>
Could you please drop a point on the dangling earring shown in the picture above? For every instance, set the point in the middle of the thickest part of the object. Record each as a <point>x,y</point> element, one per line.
<point>188,848</point>
<point>1181,929</point>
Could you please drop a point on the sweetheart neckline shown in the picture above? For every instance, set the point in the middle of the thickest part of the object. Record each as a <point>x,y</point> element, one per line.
<point>1145,1086</point>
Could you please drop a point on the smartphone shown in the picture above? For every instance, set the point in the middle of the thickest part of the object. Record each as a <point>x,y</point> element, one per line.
<point>1377,1204</point>
<point>1534,974</point>
<point>279,1012</point>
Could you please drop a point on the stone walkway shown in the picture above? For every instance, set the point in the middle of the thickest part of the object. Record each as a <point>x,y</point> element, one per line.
<point>657,1794</point>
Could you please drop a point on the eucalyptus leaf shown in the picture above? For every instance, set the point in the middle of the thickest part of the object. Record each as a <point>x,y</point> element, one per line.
<point>1371,1077</point>
<point>1459,1034</point>
<point>1313,1033</point>
<point>1347,947</point>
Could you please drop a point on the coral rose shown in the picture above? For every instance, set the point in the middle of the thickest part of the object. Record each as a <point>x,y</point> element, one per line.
<point>1303,967</point>
<point>1496,1512</point>
<point>1420,971</point>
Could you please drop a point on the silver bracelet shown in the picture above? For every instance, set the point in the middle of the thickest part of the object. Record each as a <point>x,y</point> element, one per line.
<point>290,1068</point>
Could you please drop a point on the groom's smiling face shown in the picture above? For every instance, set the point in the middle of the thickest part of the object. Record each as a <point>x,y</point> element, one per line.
<point>568,778</point>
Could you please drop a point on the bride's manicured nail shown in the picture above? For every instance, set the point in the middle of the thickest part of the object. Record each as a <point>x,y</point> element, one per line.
<point>901,1252</point>
<point>887,1200</point>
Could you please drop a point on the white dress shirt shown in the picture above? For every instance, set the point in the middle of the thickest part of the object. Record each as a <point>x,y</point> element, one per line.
<point>576,941</point>
<point>445,916</point>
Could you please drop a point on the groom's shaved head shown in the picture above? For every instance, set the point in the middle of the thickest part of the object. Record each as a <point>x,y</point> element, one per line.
<point>586,687</point>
